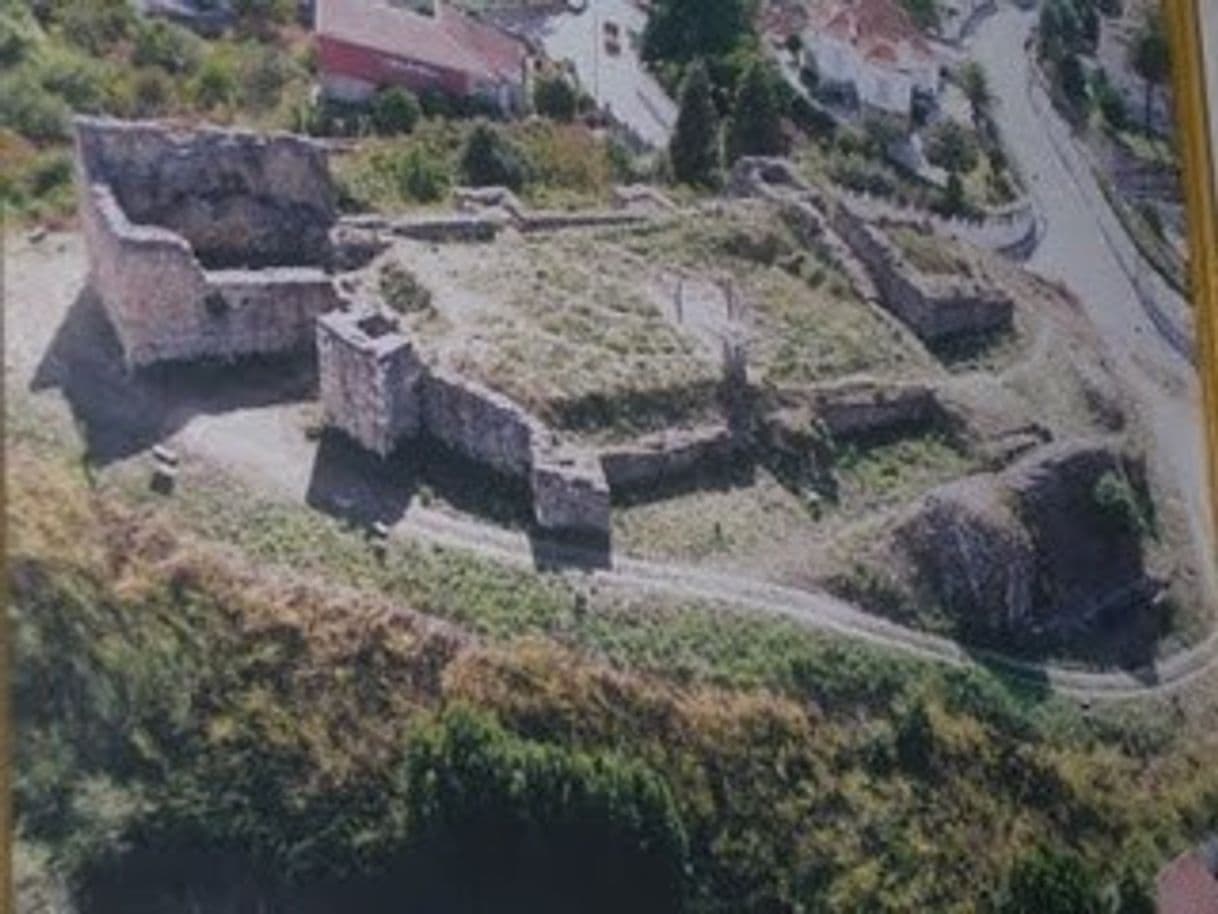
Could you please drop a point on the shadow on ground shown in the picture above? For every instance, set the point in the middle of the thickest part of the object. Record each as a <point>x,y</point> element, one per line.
<point>362,489</point>
<point>121,413</point>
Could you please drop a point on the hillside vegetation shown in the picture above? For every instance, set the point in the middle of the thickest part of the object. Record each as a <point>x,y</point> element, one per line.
<point>325,742</point>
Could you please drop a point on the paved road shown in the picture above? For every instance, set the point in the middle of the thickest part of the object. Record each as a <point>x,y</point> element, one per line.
<point>1085,246</point>
<point>618,81</point>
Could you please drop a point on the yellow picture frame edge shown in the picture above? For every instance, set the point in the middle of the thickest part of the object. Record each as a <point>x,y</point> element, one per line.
<point>1197,164</point>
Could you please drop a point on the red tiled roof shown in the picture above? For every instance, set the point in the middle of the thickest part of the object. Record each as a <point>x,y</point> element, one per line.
<point>881,30</point>
<point>450,39</point>
<point>1187,886</point>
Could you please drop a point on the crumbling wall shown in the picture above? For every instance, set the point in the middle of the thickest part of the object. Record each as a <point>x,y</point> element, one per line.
<point>369,379</point>
<point>480,423</point>
<point>664,457</point>
<point>161,301</point>
<point>570,491</point>
<point>238,198</point>
<point>935,308</point>
<point>147,278</point>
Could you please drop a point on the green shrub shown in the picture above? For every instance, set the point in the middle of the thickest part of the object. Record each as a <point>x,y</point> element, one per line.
<point>29,109</point>
<point>489,158</point>
<point>402,291</point>
<point>545,828</point>
<point>171,47</point>
<point>422,177</point>
<point>1117,502</point>
<point>96,26</point>
<point>215,85</point>
<point>17,38</point>
<point>395,111</point>
<point>953,147</point>
<point>555,97</point>
<point>265,73</point>
<point>1051,882</point>
<point>50,173</point>
<point>83,83</point>
<point>152,93</point>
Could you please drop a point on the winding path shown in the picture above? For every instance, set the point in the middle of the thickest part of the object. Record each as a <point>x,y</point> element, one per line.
<point>1080,247</point>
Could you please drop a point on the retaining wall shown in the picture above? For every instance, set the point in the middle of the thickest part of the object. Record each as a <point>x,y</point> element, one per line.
<point>663,458</point>
<point>933,307</point>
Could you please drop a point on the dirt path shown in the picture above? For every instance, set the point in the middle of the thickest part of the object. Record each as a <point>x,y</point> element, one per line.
<point>57,345</point>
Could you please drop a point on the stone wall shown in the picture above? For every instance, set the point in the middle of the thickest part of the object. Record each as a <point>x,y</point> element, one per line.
<point>570,492</point>
<point>238,198</point>
<point>369,379</point>
<point>377,391</point>
<point>933,307</point>
<point>480,423</point>
<point>667,456</point>
<point>146,277</point>
<point>163,304</point>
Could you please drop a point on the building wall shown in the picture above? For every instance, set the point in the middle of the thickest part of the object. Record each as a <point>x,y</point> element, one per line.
<point>352,65</point>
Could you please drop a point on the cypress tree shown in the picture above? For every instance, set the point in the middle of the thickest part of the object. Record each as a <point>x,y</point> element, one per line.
<point>756,125</point>
<point>694,148</point>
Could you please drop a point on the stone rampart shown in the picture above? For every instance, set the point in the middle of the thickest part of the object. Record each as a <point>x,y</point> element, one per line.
<point>239,198</point>
<point>480,423</point>
<point>377,391</point>
<point>934,307</point>
<point>369,379</point>
<point>570,491</point>
<point>667,456</point>
<point>163,303</point>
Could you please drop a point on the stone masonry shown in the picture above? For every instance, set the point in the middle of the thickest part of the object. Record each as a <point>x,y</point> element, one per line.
<point>153,200</point>
<point>377,391</point>
<point>369,378</point>
<point>934,307</point>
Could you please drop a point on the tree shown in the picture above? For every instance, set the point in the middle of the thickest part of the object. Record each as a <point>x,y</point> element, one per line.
<point>952,147</point>
<point>546,829</point>
<point>976,86</point>
<point>953,195</point>
<point>1150,57</point>
<point>694,148</point>
<point>686,30</point>
<point>1072,82</point>
<point>488,158</point>
<point>1051,882</point>
<point>925,13</point>
<point>395,110</point>
<point>756,126</point>
<point>171,47</point>
<point>556,98</point>
<point>1110,101</point>
<point>260,16</point>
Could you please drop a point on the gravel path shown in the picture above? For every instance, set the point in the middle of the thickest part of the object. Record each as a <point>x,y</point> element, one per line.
<point>55,345</point>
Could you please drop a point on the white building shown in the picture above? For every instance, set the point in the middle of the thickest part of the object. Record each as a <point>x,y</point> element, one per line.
<point>873,47</point>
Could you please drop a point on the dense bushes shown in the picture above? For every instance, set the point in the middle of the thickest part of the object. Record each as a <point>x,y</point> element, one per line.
<point>556,98</point>
<point>395,110</point>
<point>545,829</point>
<point>489,158</point>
